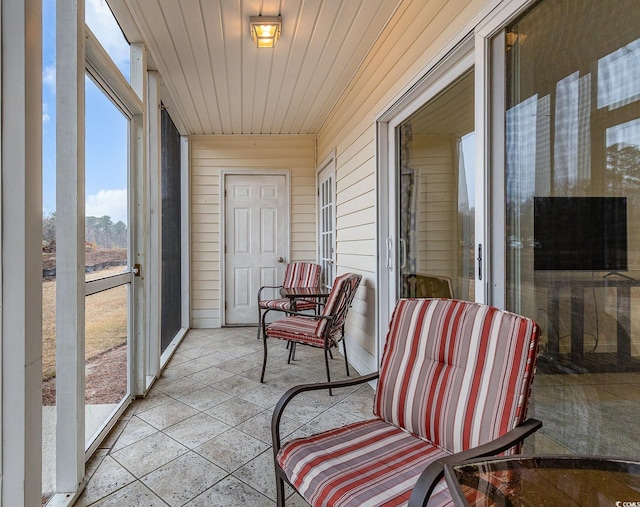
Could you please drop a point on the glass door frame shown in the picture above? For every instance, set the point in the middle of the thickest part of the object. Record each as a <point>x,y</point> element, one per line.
<point>491,135</point>
<point>450,65</point>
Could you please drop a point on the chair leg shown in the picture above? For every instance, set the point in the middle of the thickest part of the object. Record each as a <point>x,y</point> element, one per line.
<point>292,348</point>
<point>346,361</point>
<point>259,322</point>
<point>264,361</point>
<point>279,491</point>
<point>326,362</point>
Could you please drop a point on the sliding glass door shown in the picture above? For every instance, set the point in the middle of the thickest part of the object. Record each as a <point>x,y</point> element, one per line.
<point>572,186</point>
<point>435,196</point>
<point>427,189</point>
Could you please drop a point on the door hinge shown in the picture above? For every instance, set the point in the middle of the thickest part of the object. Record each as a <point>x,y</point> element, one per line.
<point>479,261</point>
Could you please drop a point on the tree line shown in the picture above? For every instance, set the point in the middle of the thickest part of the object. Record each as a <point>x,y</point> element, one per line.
<point>100,231</point>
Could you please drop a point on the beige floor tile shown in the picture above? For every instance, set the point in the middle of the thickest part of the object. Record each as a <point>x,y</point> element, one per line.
<point>109,477</point>
<point>230,492</point>
<point>231,449</point>
<point>183,479</point>
<point>135,494</point>
<point>205,398</point>
<point>234,411</point>
<point>196,430</point>
<point>147,454</point>
<point>167,414</point>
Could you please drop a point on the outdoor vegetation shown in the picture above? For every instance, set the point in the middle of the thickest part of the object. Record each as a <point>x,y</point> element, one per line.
<point>105,312</point>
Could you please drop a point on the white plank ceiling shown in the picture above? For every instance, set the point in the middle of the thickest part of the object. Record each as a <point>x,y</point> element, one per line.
<point>216,81</point>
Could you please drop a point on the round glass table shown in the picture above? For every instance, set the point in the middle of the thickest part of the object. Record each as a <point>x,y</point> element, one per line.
<point>535,481</point>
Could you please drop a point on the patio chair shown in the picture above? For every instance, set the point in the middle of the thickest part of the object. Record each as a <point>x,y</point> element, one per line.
<point>323,330</point>
<point>296,274</point>
<point>416,285</point>
<point>453,384</point>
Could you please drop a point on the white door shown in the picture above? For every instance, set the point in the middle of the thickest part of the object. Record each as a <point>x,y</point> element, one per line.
<point>256,241</point>
<point>326,221</point>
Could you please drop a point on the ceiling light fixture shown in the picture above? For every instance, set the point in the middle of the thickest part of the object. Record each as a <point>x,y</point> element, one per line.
<point>265,30</point>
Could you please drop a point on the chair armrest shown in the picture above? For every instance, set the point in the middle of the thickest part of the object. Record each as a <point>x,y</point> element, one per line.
<point>294,391</point>
<point>301,314</point>
<point>435,471</point>
<point>267,287</point>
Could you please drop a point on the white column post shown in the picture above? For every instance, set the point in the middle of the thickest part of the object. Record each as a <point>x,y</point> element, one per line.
<point>70,258</point>
<point>139,221</point>
<point>154,242</point>
<point>21,253</point>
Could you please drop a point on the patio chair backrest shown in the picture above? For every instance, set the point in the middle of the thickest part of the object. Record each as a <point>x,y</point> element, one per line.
<point>301,274</point>
<point>338,303</point>
<point>456,373</point>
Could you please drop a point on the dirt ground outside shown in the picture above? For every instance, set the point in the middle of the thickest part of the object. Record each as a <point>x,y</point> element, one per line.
<point>105,333</point>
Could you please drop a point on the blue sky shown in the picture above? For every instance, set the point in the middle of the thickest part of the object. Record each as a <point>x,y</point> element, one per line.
<point>106,127</point>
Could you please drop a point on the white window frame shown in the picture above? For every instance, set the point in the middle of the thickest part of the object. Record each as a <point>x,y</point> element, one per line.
<point>328,164</point>
<point>490,136</point>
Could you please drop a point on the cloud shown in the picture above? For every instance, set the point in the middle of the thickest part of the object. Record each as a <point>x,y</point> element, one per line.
<point>49,77</point>
<point>112,203</point>
<point>100,20</point>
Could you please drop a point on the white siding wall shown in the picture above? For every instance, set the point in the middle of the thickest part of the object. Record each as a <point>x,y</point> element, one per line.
<point>417,32</point>
<point>437,205</point>
<point>211,154</point>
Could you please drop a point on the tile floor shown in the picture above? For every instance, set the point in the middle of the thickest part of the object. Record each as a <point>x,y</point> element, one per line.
<point>202,435</point>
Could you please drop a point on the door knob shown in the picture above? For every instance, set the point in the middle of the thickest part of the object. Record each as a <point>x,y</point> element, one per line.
<point>280,259</point>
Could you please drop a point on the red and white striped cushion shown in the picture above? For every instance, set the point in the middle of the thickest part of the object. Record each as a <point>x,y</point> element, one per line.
<point>301,274</point>
<point>298,329</point>
<point>456,373</point>
<point>307,329</point>
<point>284,304</point>
<point>363,464</point>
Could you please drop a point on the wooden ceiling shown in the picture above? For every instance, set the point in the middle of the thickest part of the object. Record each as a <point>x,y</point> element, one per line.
<point>216,81</point>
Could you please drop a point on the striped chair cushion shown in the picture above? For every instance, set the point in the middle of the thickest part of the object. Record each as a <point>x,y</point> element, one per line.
<point>298,329</point>
<point>444,368</point>
<point>368,463</point>
<point>335,299</point>
<point>284,304</point>
<point>306,329</point>
<point>301,274</point>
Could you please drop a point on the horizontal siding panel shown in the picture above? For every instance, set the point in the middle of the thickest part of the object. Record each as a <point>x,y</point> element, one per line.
<point>362,247</point>
<point>198,256</point>
<point>358,183</point>
<point>367,216</point>
<point>209,190</point>
<point>204,228</point>
<point>358,232</point>
<point>209,208</point>
<point>350,261</point>
<point>364,201</point>
<point>203,198</point>
<point>205,237</point>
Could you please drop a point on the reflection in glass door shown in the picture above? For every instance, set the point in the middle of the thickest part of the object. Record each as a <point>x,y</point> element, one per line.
<point>572,250</point>
<point>435,204</point>
<point>107,278</point>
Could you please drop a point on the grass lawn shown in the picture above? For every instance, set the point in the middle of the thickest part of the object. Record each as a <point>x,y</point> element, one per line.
<point>105,321</point>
